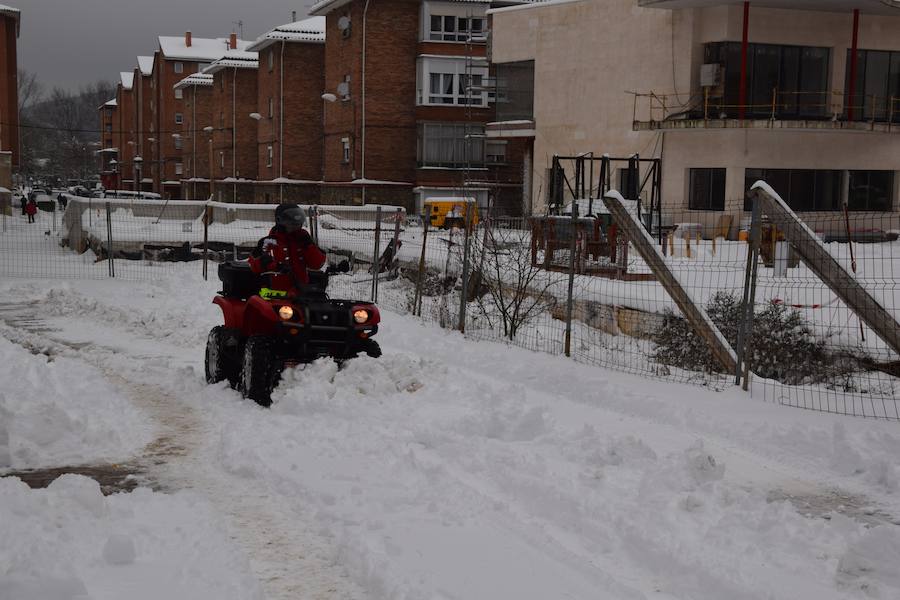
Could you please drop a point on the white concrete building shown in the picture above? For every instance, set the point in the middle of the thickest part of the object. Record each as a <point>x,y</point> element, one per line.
<point>669,79</point>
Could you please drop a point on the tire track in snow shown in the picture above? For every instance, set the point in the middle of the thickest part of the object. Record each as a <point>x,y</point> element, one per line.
<point>287,557</point>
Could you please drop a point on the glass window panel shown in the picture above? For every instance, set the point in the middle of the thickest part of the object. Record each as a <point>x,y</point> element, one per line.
<point>877,69</point>
<point>477,25</point>
<point>436,23</point>
<point>766,59</point>
<point>814,81</point>
<point>894,87</point>
<point>790,95</point>
<point>828,190</point>
<point>449,24</point>
<point>802,190</point>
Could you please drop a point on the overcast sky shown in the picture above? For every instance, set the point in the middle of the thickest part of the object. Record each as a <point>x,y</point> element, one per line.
<point>71,42</point>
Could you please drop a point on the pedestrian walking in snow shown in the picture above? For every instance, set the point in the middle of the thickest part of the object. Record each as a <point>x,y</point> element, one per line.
<point>24,202</point>
<point>31,210</point>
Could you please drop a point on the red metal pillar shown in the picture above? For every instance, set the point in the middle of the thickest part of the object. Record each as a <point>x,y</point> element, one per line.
<point>851,93</point>
<point>744,45</point>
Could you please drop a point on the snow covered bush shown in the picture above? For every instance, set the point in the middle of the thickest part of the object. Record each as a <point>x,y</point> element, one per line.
<point>781,347</point>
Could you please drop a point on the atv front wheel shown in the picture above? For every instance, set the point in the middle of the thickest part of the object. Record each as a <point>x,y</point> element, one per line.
<point>259,374</point>
<point>221,360</point>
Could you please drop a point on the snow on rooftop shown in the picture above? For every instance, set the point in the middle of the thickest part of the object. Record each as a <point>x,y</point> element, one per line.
<point>307,30</point>
<point>145,64</point>
<point>201,49</point>
<point>238,59</point>
<point>15,13</point>
<point>127,79</point>
<point>112,102</point>
<point>201,79</point>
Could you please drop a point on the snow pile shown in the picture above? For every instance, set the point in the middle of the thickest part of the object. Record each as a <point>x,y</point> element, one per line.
<point>58,411</point>
<point>68,542</point>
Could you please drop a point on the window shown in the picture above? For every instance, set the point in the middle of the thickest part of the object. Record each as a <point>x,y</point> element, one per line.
<point>179,168</point>
<point>345,148</point>
<point>803,189</point>
<point>179,118</point>
<point>269,155</point>
<point>452,145</point>
<point>109,128</point>
<point>271,108</point>
<point>495,151</point>
<point>221,160</point>
<point>222,118</point>
<point>179,67</point>
<point>871,190</point>
<point>706,189</point>
<point>179,93</point>
<point>201,66</point>
<point>877,82</point>
<point>798,74</point>
<point>445,81</point>
<point>179,142</point>
<point>455,29</point>
<point>271,60</point>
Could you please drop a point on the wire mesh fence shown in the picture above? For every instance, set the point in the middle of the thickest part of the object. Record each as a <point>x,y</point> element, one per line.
<point>571,285</point>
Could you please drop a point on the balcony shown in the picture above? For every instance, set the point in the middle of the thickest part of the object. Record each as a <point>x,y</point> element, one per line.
<point>786,110</point>
<point>513,98</point>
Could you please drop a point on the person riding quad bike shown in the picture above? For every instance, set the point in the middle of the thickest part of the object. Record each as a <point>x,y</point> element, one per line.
<point>277,313</point>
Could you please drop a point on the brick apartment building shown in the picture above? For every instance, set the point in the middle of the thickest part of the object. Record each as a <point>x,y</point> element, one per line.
<point>410,125</point>
<point>197,94</point>
<point>9,99</point>
<point>108,152</point>
<point>176,58</point>
<point>234,115</point>
<point>123,130</point>
<point>291,79</point>
<point>142,87</point>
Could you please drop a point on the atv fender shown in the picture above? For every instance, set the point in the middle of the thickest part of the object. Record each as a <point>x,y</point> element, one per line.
<point>233,311</point>
<point>259,317</point>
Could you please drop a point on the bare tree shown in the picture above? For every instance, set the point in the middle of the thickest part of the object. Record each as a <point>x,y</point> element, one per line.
<point>508,287</point>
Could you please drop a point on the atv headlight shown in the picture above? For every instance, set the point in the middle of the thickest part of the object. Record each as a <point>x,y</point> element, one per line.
<point>360,316</point>
<point>285,312</point>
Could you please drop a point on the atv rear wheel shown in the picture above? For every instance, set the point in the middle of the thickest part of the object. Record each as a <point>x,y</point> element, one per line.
<point>259,374</point>
<point>221,355</point>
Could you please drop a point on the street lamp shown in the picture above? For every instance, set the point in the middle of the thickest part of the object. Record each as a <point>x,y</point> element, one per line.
<point>329,98</point>
<point>114,165</point>
<point>255,116</point>
<point>138,162</point>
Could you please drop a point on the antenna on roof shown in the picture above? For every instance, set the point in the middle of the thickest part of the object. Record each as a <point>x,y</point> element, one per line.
<point>240,26</point>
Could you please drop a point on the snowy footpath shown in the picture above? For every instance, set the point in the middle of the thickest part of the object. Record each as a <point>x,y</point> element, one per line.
<point>447,469</point>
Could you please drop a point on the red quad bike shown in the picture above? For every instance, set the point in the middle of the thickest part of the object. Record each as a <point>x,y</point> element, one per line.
<point>264,335</point>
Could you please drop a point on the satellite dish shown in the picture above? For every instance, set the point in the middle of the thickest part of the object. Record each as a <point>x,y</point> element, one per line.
<point>344,23</point>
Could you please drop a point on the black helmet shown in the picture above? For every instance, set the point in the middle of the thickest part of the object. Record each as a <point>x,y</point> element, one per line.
<point>290,216</point>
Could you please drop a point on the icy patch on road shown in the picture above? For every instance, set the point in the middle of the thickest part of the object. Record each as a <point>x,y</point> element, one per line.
<point>59,411</point>
<point>68,541</point>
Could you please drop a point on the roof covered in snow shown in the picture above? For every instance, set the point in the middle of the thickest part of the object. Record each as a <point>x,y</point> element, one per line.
<point>15,13</point>
<point>145,64</point>
<point>127,79</point>
<point>201,79</point>
<point>236,59</point>
<point>307,30</point>
<point>201,49</point>
<point>323,7</point>
<point>112,102</point>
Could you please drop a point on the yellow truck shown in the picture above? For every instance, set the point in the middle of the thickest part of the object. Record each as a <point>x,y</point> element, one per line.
<point>445,213</point>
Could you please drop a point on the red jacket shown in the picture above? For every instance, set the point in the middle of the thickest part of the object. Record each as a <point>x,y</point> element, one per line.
<point>281,248</point>
<point>31,208</point>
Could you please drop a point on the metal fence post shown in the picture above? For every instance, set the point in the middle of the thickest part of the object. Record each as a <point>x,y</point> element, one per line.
<point>314,222</point>
<point>748,301</point>
<point>206,243</point>
<point>109,242</point>
<point>417,299</point>
<point>569,298</point>
<point>467,223</point>
<point>375,257</point>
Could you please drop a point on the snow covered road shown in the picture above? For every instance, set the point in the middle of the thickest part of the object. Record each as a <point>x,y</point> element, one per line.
<point>445,469</point>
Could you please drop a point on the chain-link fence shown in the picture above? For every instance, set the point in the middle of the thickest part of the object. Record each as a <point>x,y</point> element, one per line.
<point>650,301</point>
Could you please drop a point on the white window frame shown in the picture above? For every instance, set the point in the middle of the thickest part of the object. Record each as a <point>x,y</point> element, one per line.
<point>500,158</point>
<point>452,16</point>
<point>345,150</point>
<point>270,153</point>
<point>221,160</point>
<point>179,143</point>
<point>443,145</point>
<point>271,108</point>
<point>455,68</point>
<point>179,118</point>
<point>179,93</point>
<point>179,168</point>
<point>179,67</point>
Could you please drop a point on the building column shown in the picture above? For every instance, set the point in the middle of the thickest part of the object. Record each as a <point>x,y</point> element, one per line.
<point>527,177</point>
<point>851,93</point>
<point>744,48</point>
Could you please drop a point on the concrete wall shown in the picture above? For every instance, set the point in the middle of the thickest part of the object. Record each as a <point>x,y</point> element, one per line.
<point>589,53</point>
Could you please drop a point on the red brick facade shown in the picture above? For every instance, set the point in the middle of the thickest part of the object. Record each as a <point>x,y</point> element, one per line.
<point>197,115</point>
<point>304,82</point>
<point>9,102</point>
<point>143,119</point>
<point>234,97</point>
<point>123,133</point>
